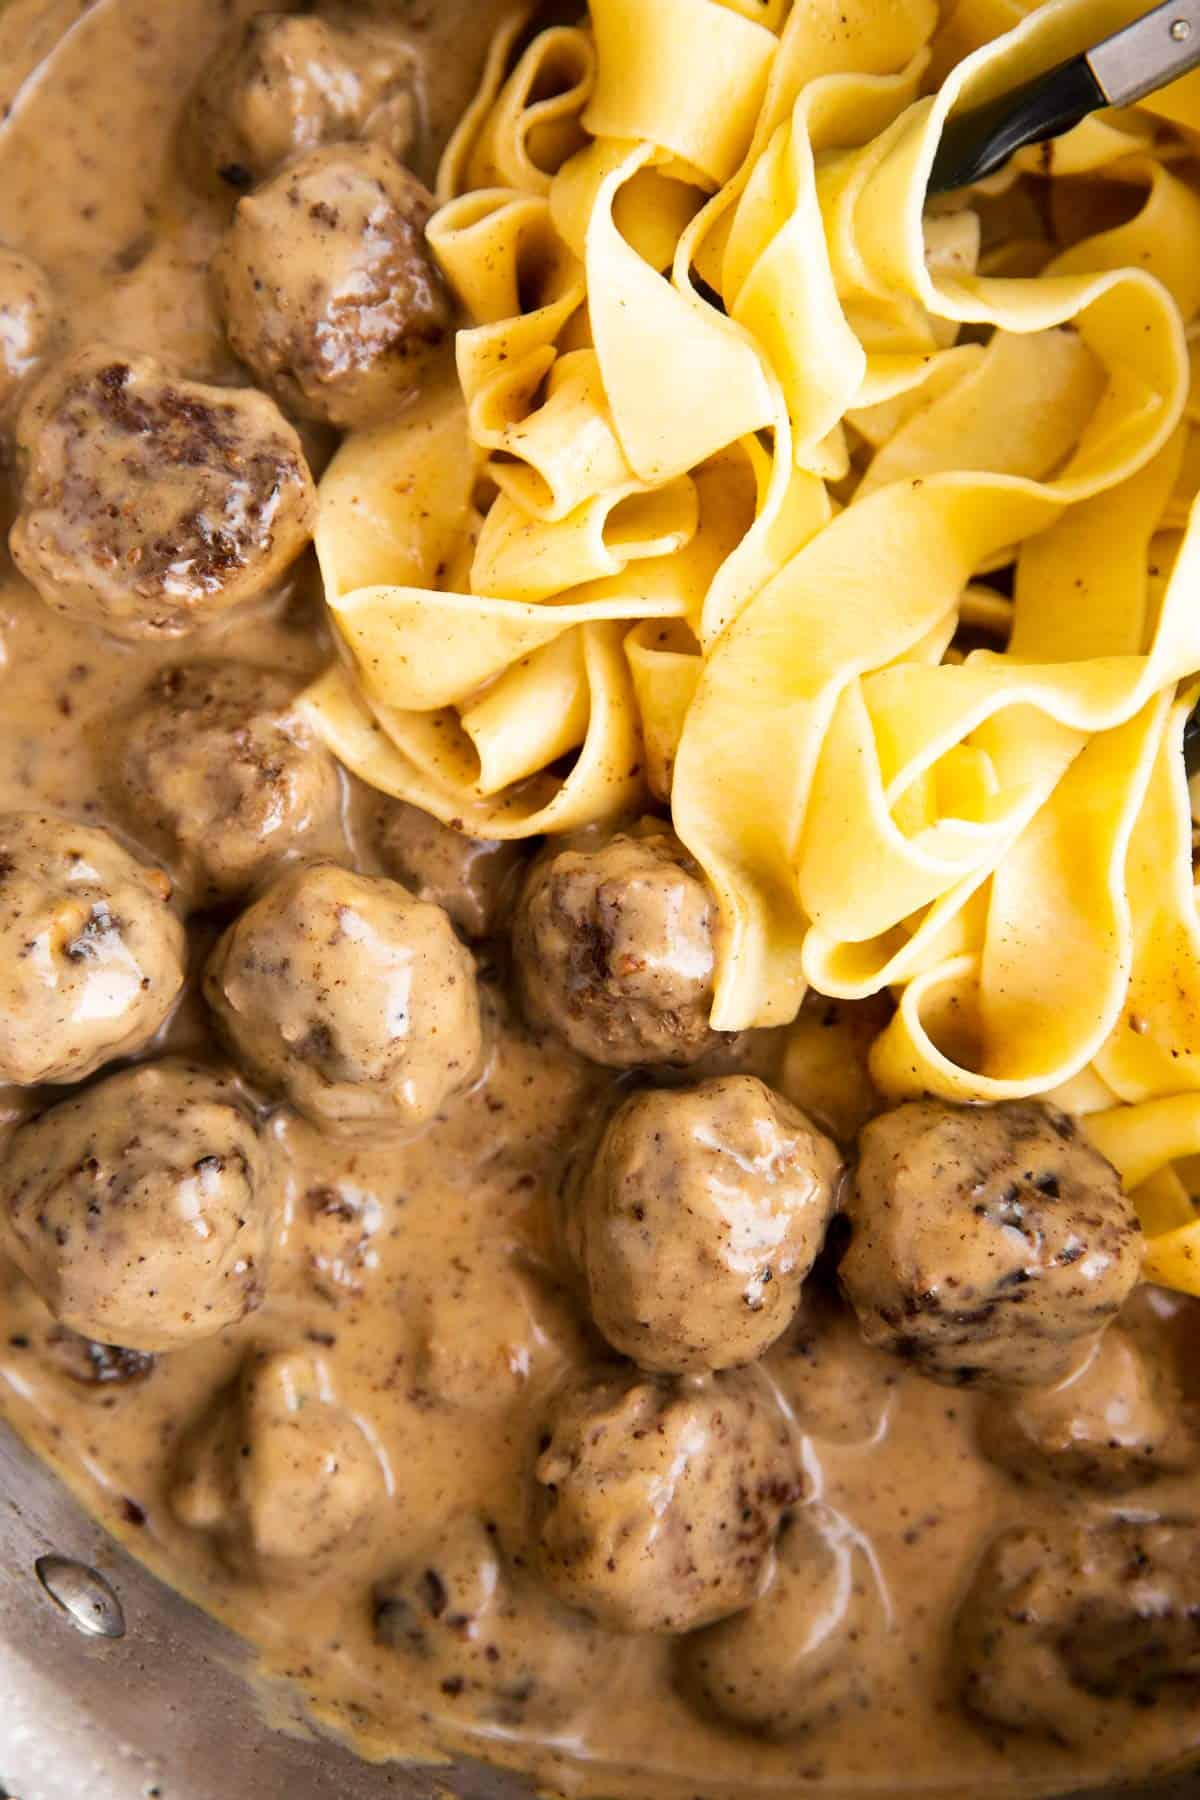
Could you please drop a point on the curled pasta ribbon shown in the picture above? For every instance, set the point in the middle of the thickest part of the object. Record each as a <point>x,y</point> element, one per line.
<point>740,423</point>
<point>904,819</point>
<point>598,518</point>
<point>455,703</point>
<point>523,125</point>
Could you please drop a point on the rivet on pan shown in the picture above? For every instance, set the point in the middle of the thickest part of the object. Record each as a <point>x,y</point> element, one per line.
<point>84,1596</point>
<point>1180,29</point>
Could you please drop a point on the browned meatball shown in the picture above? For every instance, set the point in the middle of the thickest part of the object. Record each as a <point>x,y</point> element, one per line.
<point>27,322</point>
<point>91,955</point>
<point>278,1473</point>
<point>287,83</point>
<point>797,1658</point>
<point>140,1210</point>
<point>614,950</point>
<point>220,772</point>
<point>700,1218</point>
<point>989,1243</point>
<point>150,505</point>
<point>473,878</point>
<point>330,293</point>
<point>1063,1630</point>
<point>658,1501</point>
<point>487,1643</point>
<point>350,997</point>
<point>1113,1425</point>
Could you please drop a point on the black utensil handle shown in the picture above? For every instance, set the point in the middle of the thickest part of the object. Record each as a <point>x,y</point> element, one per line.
<point>1191,743</point>
<point>977,142</point>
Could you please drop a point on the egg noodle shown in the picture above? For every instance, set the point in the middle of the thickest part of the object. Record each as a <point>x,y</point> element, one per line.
<point>741,422</point>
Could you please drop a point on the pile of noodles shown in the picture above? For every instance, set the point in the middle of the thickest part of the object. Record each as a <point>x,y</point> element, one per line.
<point>854,526</point>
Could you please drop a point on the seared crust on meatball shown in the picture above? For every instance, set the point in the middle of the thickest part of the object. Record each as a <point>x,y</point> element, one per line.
<point>472,1629</point>
<point>140,1209</point>
<point>351,998</point>
<point>278,1473</point>
<point>1063,1630</point>
<point>330,293</point>
<point>91,955</point>
<point>795,1659</point>
<point>288,83</point>
<point>221,773</point>
<point>658,1501</point>
<point>28,318</point>
<point>1112,1425</point>
<point>614,951</point>
<point>989,1243</point>
<point>150,505</point>
<point>473,878</point>
<point>701,1216</point>
<point>105,1367</point>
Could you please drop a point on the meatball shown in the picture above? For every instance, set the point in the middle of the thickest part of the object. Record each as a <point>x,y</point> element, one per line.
<point>614,950</point>
<point>331,295</point>
<point>484,1638</point>
<point>1113,1425</point>
<point>699,1220</point>
<point>350,997</point>
<point>150,505</point>
<point>793,1660</point>
<point>27,322</point>
<point>278,1473</point>
<point>472,878</point>
<point>1062,1624</point>
<point>286,84</point>
<point>91,955</point>
<point>140,1209</point>
<point>658,1501</point>
<point>989,1243</point>
<point>220,772</point>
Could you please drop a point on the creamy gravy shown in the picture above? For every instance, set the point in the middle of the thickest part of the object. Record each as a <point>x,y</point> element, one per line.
<point>442,1328</point>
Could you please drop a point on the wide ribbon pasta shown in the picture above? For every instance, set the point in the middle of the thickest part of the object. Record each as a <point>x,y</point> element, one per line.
<point>741,423</point>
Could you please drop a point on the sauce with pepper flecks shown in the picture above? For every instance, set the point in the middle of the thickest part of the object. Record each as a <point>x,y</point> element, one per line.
<point>422,1282</point>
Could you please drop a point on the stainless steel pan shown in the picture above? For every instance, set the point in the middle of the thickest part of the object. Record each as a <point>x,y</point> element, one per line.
<point>165,1711</point>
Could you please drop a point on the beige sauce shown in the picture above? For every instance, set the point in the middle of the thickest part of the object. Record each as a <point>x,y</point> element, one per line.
<point>461,1321</point>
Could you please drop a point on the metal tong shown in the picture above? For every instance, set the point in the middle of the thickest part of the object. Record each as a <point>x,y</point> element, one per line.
<point>1135,61</point>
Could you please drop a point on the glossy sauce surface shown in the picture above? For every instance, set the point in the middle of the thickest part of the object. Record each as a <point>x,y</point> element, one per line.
<point>423,1282</point>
